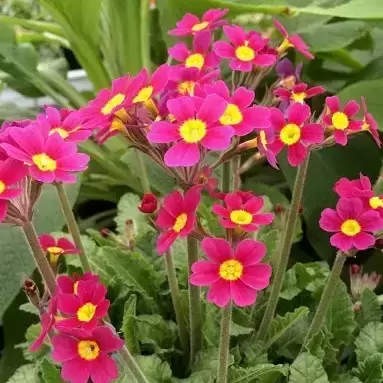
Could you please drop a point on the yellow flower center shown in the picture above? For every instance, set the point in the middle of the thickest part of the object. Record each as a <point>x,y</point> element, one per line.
<point>86,312</point>
<point>366,125</point>
<point>2,186</point>
<point>44,162</point>
<point>180,222</point>
<point>144,94</point>
<point>284,46</point>
<point>231,116</point>
<point>195,60</point>
<point>200,26</point>
<point>88,349</point>
<point>244,53</point>
<point>350,227</point>
<point>62,132</point>
<point>298,97</point>
<point>186,87</point>
<point>340,120</point>
<point>55,250</point>
<point>290,134</point>
<point>241,217</point>
<point>117,124</point>
<point>262,137</point>
<point>118,99</point>
<point>75,288</point>
<point>375,202</point>
<point>193,130</point>
<point>231,270</point>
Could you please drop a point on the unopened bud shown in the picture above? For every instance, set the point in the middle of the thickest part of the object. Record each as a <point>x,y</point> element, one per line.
<point>105,232</point>
<point>300,209</point>
<point>129,234</point>
<point>357,306</point>
<point>355,269</point>
<point>32,291</point>
<point>279,209</point>
<point>148,204</point>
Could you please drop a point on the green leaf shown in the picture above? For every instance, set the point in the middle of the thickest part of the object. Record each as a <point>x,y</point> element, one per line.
<point>347,378</point>
<point>370,308</point>
<point>154,368</point>
<point>320,346</point>
<point>11,111</point>
<point>28,307</point>
<point>370,370</point>
<point>307,369</point>
<point>24,374</point>
<point>369,341</point>
<point>280,324</point>
<point>50,373</point>
<point>244,375</point>
<point>128,325</point>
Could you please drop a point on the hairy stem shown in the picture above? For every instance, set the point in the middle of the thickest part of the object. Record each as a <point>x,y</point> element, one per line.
<point>134,368</point>
<point>226,177</point>
<point>224,345</point>
<point>143,172</point>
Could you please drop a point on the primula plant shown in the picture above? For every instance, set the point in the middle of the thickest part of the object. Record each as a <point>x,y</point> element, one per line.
<point>195,285</point>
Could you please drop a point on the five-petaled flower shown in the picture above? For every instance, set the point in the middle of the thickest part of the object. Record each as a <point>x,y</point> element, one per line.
<point>232,274</point>
<point>298,93</point>
<point>56,247</point>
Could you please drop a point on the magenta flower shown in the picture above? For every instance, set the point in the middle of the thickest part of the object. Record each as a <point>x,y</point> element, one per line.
<point>11,172</point>
<point>239,113</point>
<point>298,93</point>
<point>236,275</point>
<point>196,124</point>
<point>264,139</point>
<point>244,50</point>
<point>341,121</point>
<point>85,309</point>
<point>68,285</point>
<point>56,247</point>
<point>242,212</point>
<point>49,157</point>
<point>293,41</point>
<point>191,24</point>
<point>369,124</point>
<point>352,224</point>
<point>200,57</point>
<point>294,133</point>
<point>177,217</point>
<point>85,356</point>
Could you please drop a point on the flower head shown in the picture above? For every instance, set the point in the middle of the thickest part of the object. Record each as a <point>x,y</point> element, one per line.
<point>49,157</point>
<point>341,120</point>
<point>294,132</point>
<point>369,124</point>
<point>242,211</point>
<point>56,247</point>
<point>244,50</point>
<point>298,93</point>
<point>232,274</point>
<point>148,204</point>
<point>352,224</point>
<point>196,124</point>
<point>69,285</point>
<point>191,24</point>
<point>85,356</point>
<point>292,41</point>
<point>360,281</point>
<point>177,217</point>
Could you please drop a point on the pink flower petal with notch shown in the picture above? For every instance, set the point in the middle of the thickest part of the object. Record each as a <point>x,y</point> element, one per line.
<point>218,138</point>
<point>163,132</point>
<point>349,208</point>
<point>330,220</point>
<point>242,294</point>
<point>217,249</point>
<point>250,252</point>
<point>204,273</point>
<point>182,154</point>
<point>342,241</point>
<point>257,276</point>
<point>219,293</point>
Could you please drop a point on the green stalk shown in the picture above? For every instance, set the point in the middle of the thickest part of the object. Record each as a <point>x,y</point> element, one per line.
<point>326,297</point>
<point>134,368</point>
<point>145,34</point>
<point>72,224</point>
<point>284,248</point>
<point>194,304</point>
<point>224,344</point>
<point>143,172</point>
<point>176,298</point>
<point>226,177</point>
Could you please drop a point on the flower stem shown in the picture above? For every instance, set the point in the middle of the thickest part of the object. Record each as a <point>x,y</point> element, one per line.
<point>284,248</point>
<point>226,177</point>
<point>39,257</point>
<point>194,304</point>
<point>143,172</point>
<point>134,368</point>
<point>176,298</point>
<point>326,297</point>
<point>72,224</point>
<point>224,345</point>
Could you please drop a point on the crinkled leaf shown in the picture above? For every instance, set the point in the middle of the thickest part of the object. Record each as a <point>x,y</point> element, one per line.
<point>50,373</point>
<point>307,368</point>
<point>156,370</point>
<point>29,308</point>
<point>244,375</point>
<point>320,346</point>
<point>370,308</point>
<point>369,341</point>
<point>347,378</point>
<point>128,325</point>
<point>370,370</point>
<point>24,374</point>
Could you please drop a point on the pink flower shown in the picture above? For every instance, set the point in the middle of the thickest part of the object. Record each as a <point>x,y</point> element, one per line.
<point>369,124</point>
<point>196,124</point>
<point>49,157</point>
<point>239,113</point>
<point>244,50</point>
<point>85,308</point>
<point>293,41</point>
<point>149,204</point>
<point>85,356</point>
<point>341,121</point>
<point>177,217</point>
<point>294,133</point>
<point>68,285</point>
<point>264,139</point>
<point>11,172</point>
<point>191,24</point>
<point>199,57</point>
<point>236,275</point>
<point>242,212</point>
<point>204,180</point>
<point>298,93</point>
<point>55,247</point>
<point>352,224</point>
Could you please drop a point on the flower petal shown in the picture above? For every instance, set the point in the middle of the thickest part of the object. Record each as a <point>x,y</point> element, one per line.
<point>182,154</point>
<point>217,249</point>
<point>163,132</point>
<point>257,276</point>
<point>330,220</point>
<point>64,348</point>
<point>204,273</point>
<point>242,294</point>
<point>342,241</point>
<point>250,252</point>
<point>363,241</point>
<point>219,293</point>
<point>349,208</point>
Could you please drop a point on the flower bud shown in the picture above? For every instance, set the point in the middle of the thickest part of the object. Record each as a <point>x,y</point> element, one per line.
<point>32,292</point>
<point>148,204</point>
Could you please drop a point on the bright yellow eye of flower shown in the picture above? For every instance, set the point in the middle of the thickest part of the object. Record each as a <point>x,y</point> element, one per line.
<point>298,97</point>
<point>340,120</point>
<point>2,186</point>
<point>118,99</point>
<point>195,60</point>
<point>180,222</point>
<point>144,94</point>
<point>366,125</point>
<point>241,217</point>
<point>231,116</point>
<point>231,270</point>
<point>193,130</point>
<point>86,312</point>
<point>55,250</point>
<point>375,202</point>
<point>200,26</point>
<point>350,227</point>
<point>62,132</point>
<point>186,87</point>
<point>290,134</point>
<point>88,349</point>
<point>244,53</point>
<point>284,46</point>
<point>44,162</point>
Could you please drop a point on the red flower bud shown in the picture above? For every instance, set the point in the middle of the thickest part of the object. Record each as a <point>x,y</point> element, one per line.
<point>105,232</point>
<point>355,269</point>
<point>148,204</point>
